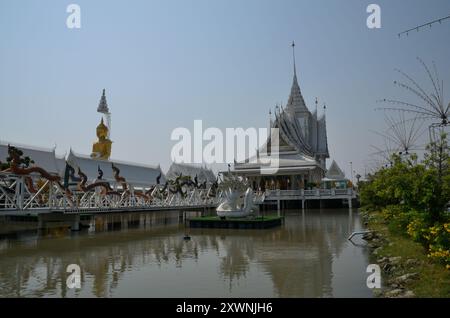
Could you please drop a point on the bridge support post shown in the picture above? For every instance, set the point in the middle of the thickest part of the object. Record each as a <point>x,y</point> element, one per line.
<point>41,223</point>
<point>278,206</point>
<point>350,202</point>
<point>180,217</point>
<point>303,204</point>
<point>75,223</point>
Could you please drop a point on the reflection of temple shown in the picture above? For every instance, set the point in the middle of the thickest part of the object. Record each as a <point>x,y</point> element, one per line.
<point>296,260</point>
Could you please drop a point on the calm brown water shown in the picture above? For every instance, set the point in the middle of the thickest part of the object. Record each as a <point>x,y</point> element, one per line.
<point>132,255</point>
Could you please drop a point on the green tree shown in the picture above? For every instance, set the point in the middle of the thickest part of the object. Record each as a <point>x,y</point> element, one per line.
<point>437,179</point>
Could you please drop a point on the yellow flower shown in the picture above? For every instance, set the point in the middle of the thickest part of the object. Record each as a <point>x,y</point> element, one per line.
<point>447,227</point>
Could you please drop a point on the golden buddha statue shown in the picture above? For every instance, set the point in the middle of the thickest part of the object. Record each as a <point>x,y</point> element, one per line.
<point>102,148</point>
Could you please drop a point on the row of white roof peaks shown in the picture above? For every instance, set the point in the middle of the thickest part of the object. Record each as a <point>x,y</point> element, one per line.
<point>135,173</point>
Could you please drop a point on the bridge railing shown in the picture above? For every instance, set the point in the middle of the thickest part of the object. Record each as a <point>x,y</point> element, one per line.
<point>18,193</point>
<point>270,194</point>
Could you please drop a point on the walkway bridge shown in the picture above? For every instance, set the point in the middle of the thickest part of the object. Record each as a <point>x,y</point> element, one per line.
<point>20,197</point>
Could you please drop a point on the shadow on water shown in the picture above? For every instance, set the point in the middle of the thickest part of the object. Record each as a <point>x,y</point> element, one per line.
<point>144,255</point>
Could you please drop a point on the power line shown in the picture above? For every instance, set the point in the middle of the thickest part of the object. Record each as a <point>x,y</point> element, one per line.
<point>424,25</point>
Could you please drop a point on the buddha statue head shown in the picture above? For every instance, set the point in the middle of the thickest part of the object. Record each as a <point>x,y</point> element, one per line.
<point>102,131</point>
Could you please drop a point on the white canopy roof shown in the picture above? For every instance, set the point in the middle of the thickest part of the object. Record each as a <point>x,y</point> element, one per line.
<point>335,172</point>
<point>42,157</point>
<point>136,174</point>
<point>191,170</point>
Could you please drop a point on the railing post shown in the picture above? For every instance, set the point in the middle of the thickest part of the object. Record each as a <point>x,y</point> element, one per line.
<point>50,196</point>
<point>20,192</point>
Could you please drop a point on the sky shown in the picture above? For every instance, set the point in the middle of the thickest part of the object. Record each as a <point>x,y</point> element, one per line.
<point>165,64</point>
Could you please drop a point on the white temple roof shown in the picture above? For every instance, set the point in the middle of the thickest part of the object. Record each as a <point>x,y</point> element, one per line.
<point>296,102</point>
<point>335,172</point>
<point>191,170</point>
<point>135,174</point>
<point>42,157</point>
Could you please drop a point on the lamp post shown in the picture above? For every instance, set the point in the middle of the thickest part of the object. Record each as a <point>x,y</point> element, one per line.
<point>351,172</point>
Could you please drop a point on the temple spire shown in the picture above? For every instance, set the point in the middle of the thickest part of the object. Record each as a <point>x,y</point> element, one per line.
<point>296,103</point>
<point>103,105</point>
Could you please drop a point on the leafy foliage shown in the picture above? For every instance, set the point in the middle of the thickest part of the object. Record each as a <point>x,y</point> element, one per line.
<point>413,197</point>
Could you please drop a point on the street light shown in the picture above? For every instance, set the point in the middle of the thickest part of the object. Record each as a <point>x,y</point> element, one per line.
<point>351,172</point>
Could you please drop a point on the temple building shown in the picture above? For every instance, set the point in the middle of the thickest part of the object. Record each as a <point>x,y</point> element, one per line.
<point>136,175</point>
<point>302,147</point>
<point>202,173</point>
<point>335,178</point>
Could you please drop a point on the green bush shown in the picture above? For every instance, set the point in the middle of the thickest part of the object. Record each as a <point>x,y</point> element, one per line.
<point>412,197</point>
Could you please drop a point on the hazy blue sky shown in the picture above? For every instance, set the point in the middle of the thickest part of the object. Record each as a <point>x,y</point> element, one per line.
<point>166,63</point>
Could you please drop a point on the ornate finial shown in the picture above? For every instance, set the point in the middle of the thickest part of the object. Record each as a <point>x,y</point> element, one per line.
<point>293,57</point>
<point>103,105</point>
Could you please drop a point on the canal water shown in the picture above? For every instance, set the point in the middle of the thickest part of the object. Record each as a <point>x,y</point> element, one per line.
<point>145,255</point>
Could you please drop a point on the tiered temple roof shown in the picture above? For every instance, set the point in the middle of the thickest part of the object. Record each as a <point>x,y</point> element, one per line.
<point>303,141</point>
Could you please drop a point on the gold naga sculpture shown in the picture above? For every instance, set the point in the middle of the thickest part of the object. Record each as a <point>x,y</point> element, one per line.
<point>102,148</point>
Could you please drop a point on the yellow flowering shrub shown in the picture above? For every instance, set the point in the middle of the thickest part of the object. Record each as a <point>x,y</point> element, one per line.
<point>436,238</point>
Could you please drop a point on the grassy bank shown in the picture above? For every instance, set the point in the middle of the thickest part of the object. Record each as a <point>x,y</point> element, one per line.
<point>406,269</point>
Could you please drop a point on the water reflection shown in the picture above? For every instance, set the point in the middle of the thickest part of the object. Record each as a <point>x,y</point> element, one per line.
<point>144,255</point>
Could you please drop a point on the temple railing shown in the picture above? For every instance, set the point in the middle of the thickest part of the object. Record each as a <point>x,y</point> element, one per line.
<point>310,194</point>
